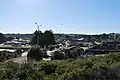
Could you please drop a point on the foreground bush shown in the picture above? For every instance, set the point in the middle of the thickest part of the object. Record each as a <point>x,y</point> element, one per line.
<point>92,68</point>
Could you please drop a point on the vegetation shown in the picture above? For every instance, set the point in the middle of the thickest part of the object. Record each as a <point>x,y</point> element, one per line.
<point>45,38</point>
<point>58,55</point>
<point>9,38</point>
<point>92,68</point>
<point>72,53</point>
<point>97,37</point>
<point>5,55</point>
<point>36,53</point>
<point>2,38</point>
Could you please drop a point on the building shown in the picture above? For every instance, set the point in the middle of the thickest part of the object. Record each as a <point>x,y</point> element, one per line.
<point>12,43</point>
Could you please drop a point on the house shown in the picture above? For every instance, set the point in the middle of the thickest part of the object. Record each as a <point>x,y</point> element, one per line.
<point>105,47</point>
<point>82,42</point>
<point>12,43</point>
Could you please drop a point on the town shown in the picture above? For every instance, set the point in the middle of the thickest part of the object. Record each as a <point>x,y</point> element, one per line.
<point>17,46</point>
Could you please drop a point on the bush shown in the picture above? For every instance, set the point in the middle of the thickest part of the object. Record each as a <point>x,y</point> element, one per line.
<point>35,53</point>
<point>57,55</point>
<point>5,55</point>
<point>92,68</point>
<point>48,67</point>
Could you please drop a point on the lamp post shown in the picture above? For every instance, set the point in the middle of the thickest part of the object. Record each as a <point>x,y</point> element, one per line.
<point>38,26</point>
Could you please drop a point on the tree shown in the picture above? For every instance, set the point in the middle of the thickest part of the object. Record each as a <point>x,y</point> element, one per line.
<point>35,53</point>
<point>76,36</point>
<point>37,34</point>
<point>49,37</point>
<point>9,38</point>
<point>73,53</point>
<point>2,38</point>
<point>104,36</point>
<point>45,38</point>
<point>58,55</point>
<point>67,36</point>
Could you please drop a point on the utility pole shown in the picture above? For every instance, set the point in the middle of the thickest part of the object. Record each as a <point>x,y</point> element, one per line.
<point>38,26</point>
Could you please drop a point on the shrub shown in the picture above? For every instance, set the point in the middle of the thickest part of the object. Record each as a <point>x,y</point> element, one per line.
<point>92,68</point>
<point>48,67</point>
<point>57,55</point>
<point>35,53</point>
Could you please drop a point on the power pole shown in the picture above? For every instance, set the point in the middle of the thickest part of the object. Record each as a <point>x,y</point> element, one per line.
<point>38,26</point>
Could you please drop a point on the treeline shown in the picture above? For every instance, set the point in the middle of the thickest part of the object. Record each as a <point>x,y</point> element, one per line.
<point>4,39</point>
<point>103,36</point>
<point>92,68</point>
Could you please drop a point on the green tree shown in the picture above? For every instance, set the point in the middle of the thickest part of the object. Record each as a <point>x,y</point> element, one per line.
<point>45,38</point>
<point>9,38</point>
<point>58,55</point>
<point>35,53</point>
<point>37,34</point>
<point>49,37</point>
<point>2,38</point>
<point>67,36</point>
<point>104,36</point>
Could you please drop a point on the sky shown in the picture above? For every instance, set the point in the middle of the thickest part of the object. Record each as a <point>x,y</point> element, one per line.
<point>77,16</point>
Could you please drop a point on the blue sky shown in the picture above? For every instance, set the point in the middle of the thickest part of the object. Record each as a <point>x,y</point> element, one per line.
<point>77,16</point>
